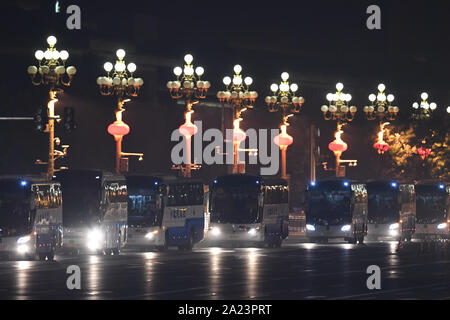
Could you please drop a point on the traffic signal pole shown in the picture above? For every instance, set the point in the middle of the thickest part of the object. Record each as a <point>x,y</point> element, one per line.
<point>51,134</point>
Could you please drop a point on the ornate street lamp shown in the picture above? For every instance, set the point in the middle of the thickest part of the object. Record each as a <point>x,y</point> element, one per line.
<point>189,86</point>
<point>339,109</point>
<point>120,81</point>
<point>423,110</point>
<point>52,72</point>
<point>381,107</point>
<point>238,95</point>
<point>284,97</point>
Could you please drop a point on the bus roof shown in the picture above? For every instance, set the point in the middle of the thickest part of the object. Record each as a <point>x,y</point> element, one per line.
<point>240,179</point>
<point>88,174</point>
<point>25,177</point>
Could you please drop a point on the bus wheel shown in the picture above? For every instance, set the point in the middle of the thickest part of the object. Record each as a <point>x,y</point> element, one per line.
<point>51,255</point>
<point>352,241</point>
<point>190,243</point>
<point>42,256</point>
<point>361,240</point>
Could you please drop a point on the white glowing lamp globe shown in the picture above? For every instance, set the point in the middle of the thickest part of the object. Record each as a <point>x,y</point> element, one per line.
<point>237,81</point>
<point>294,87</point>
<point>48,55</point>
<point>372,98</point>
<point>433,106</point>
<point>390,97</point>
<point>448,109</point>
<point>415,105</point>
<point>39,54</point>
<point>64,55</point>
<point>199,71</point>
<point>339,86</point>
<point>285,76</point>
<point>237,69</point>
<point>119,67</point>
<point>177,71</point>
<point>348,97</point>
<point>330,97</point>
<point>381,87</point>
<point>108,66</point>
<point>248,81</point>
<point>51,41</point>
<point>226,81</point>
<point>424,96</point>
<point>120,54</point>
<point>188,58</point>
<point>274,87</point>
<point>131,67</point>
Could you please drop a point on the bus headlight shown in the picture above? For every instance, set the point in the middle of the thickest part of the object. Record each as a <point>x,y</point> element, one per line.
<point>442,226</point>
<point>23,240</point>
<point>252,231</point>
<point>394,226</point>
<point>152,234</point>
<point>310,227</point>
<point>215,231</point>
<point>23,248</point>
<point>94,238</point>
<point>346,228</point>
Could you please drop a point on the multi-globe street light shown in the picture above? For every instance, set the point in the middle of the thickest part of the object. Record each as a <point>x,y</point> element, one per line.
<point>120,81</point>
<point>284,97</point>
<point>381,108</point>
<point>238,95</point>
<point>52,72</point>
<point>188,85</point>
<point>423,111</point>
<point>340,110</point>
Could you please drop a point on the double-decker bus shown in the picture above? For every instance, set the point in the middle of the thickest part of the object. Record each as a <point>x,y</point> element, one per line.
<point>166,211</point>
<point>94,211</point>
<point>432,210</point>
<point>336,209</point>
<point>248,210</point>
<point>30,217</point>
<point>392,210</point>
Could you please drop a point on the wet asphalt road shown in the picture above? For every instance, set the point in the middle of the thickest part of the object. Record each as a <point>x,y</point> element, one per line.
<point>295,271</point>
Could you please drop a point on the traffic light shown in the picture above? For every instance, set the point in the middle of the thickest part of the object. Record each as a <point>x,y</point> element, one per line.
<point>69,119</point>
<point>41,119</point>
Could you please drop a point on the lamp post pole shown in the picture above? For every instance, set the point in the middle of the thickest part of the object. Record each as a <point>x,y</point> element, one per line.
<point>189,86</point>
<point>52,70</point>
<point>339,110</point>
<point>240,98</point>
<point>120,81</point>
<point>284,98</point>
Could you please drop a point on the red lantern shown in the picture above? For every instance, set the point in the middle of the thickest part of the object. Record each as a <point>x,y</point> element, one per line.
<point>238,135</point>
<point>338,146</point>
<point>424,152</point>
<point>382,147</point>
<point>188,129</point>
<point>118,128</point>
<point>283,140</point>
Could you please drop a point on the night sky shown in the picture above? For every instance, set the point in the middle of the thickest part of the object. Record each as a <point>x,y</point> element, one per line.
<point>318,42</point>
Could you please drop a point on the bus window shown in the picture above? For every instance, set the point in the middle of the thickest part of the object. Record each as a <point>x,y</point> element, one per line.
<point>47,196</point>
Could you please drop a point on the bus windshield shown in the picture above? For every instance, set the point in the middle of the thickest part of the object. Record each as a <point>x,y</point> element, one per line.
<point>144,210</point>
<point>15,218</point>
<point>328,207</point>
<point>383,207</point>
<point>81,201</point>
<point>431,206</point>
<point>235,204</point>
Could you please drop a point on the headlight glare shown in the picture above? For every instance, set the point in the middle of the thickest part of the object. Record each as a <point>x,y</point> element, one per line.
<point>346,228</point>
<point>442,226</point>
<point>23,240</point>
<point>394,226</point>
<point>310,227</point>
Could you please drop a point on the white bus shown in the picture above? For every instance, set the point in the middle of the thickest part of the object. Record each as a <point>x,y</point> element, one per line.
<point>336,209</point>
<point>166,212</point>
<point>94,211</point>
<point>432,211</point>
<point>30,217</point>
<point>392,210</point>
<point>248,210</point>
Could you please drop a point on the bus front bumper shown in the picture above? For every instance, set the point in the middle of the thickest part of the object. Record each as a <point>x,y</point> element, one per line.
<point>432,231</point>
<point>145,237</point>
<point>383,231</point>
<point>224,234</point>
<point>329,232</point>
